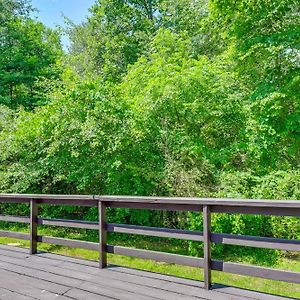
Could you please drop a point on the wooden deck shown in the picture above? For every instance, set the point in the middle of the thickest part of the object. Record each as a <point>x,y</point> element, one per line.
<point>50,276</point>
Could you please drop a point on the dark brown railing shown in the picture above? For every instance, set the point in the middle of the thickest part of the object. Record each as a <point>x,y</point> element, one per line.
<point>206,206</point>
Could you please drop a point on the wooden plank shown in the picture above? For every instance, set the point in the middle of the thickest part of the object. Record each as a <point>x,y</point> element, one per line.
<point>207,247</point>
<point>232,292</point>
<point>155,206</point>
<point>36,282</point>
<point>255,271</point>
<point>69,202</point>
<point>39,274</point>
<point>15,235</point>
<point>33,226</point>
<point>71,199</point>
<point>58,279</point>
<point>68,242</point>
<point>102,235</point>
<point>85,295</point>
<point>15,219</point>
<point>9,295</point>
<point>290,207</point>
<point>67,264</point>
<point>79,274</point>
<point>13,249</point>
<point>202,201</point>
<point>256,241</point>
<point>14,254</point>
<point>148,275</point>
<point>157,256</point>
<point>77,200</point>
<point>169,283</point>
<point>115,293</point>
<point>69,223</point>
<point>46,196</point>
<point>20,285</point>
<point>195,287</point>
<point>137,292</point>
<point>155,231</point>
<point>147,284</point>
<point>102,278</point>
<point>114,278</point>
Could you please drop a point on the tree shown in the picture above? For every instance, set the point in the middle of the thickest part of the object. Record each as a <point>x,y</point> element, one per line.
<point>28,54</point>
<point>113,37</point>
<point>118,32</point>
<point>262,39</point>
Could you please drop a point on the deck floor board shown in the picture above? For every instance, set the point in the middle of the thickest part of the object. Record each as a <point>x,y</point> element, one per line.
<point>49,276</point>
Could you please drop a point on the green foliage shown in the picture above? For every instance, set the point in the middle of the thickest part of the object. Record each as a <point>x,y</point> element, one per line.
<point>114,36</point>
<point>263,38</point>
<point>157,97</point>
<point>28,54</point>
<point>118,32</point>
<point>67,144</point>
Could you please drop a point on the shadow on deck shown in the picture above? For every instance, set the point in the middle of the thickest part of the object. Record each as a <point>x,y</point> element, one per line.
<point>51,276</point>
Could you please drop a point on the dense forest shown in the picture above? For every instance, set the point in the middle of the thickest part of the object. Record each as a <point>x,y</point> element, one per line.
<point>155,97</point>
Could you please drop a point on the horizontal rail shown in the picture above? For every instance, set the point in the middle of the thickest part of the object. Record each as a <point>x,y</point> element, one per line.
<point>69,223</point>
<point>157,232</point>
<point>92,199</point>
<point>15,235</point>
<point>155,206</point>
<point>255,241</point>
<point>219,205</point>
<point>157,256</point>
<point>202,201</point>
<point>220,238</point>
<point>68,242</point>
<point>28,197</point>
<point>15,219</point>
<point>255,271</point>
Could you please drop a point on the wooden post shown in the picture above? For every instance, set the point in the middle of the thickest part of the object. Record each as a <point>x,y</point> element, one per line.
<point>102,235</point>
<point>207,249</point>
<point>33,226</point>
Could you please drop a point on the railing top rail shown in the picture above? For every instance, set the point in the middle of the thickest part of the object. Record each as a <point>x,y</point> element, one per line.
<point>202,201</point>
<point>46,196</point>
<point>160,200</point>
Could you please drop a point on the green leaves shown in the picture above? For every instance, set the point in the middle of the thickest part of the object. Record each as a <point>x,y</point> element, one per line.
<point>28,54</point>
<point>156,97</point>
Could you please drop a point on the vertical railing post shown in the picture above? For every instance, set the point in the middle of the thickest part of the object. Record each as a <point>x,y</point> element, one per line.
<point>207,248</point>
<point>33,226</point>
<point>102,235</point>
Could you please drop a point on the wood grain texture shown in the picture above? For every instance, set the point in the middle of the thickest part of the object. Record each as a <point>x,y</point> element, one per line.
<point>256,241</point>
<point>15,235</point>
<point>256,271</point>
<point>93,199</point>
<point>25,220</point>
<point>207,246</point>
<point>69,223</point>
<point>33,226</point>
<point>68,242</point>
<point>156,231</point>
<point>157,256</point>
<point>102,235</point>
<point>51,276</point>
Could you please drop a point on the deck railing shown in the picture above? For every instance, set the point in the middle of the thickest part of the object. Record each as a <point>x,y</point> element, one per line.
<point>206,206</point>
